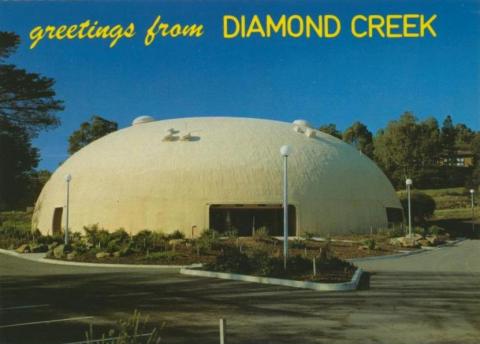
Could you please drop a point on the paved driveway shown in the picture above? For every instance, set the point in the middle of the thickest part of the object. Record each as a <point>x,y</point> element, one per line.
<point>432,297</point>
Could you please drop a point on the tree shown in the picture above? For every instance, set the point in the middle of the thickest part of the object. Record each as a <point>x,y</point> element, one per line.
<point>407,148</point>
<point>359,136</point>
<point>463,136</point>
<point>89,132</point>
<point>27,106</point>
<point>331,129</point>
<point>422,206</point>
<point>448,140</point>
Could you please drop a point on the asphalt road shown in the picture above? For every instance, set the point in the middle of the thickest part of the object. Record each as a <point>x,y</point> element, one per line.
<point>432,297</point>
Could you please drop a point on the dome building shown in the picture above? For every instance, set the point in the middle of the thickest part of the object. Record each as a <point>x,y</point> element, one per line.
<point>223,173</point>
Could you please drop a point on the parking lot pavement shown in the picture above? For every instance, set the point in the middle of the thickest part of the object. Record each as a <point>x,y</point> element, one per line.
<point>432,297</point>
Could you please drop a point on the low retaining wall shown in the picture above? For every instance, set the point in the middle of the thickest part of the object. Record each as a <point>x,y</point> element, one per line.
<point>346,286</point>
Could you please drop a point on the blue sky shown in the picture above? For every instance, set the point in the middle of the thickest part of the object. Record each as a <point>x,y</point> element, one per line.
<point>340,81</point>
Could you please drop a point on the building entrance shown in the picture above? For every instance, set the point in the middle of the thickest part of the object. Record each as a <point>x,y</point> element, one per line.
<point>246,218</point>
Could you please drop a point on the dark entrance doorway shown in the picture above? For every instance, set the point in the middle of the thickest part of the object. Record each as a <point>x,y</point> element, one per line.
<point>245,218</point>
<point>57,221</point>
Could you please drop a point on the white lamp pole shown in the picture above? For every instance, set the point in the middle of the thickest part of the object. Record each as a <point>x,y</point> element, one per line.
<point>472,195</point>
<point>285,151</point>
<point>409,182</point>
<point>68,178</point>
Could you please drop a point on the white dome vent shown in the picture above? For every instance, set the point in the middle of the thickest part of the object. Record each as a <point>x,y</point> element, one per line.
<point>143,119</point>
<point>301,123</point>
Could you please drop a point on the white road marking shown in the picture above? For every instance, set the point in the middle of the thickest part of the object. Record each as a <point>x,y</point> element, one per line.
<point>23,307</point>
<point>45,322</point>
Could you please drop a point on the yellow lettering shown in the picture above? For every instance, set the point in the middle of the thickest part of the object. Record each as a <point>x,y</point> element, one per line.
<point>36,35</point>
<point>290,26</point>
<point>393,26</point>
<point>230,34</point>
<point>271,26</point>
<point>338,26</point>
<point>376,22</point>
<point>255,27</point>
<point>355,33</point>
<point>427,26</point>
<point>316,26</point>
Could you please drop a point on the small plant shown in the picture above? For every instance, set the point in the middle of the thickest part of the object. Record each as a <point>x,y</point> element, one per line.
<point>131,331</point>
<point>420,230</point>
<point>436,230</point>
<point>370,244</point>
<point>297,243</point>
<point>232,234</point>
<point>261,234</point>
<point>308,235</point>
<point>96,236</point>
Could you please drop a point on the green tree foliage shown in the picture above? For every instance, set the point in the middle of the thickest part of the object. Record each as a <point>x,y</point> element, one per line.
<point>89,132</point>
<point>408,148</point>
<point>27,106</point>
<point>359,136</point>
<point>422,205</point>
<point>474,180</point>
<point>463,136</point>
<point>331,129</point>
<point>448,138</point>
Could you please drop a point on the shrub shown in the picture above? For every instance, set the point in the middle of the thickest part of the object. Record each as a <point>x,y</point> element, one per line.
<point>419,230</point>
<point>209,240</point>
<point>176,235</point>
<point>333,263</point>
<point>232,234</point>
<point>143,240</point>
<point>261,234</point>
<point>422,206</point>
<point>264,265</point>
<point>97,237</point>
<point>299,244</point>
<point>120,235</point>
<point>12,237</point>
<point>436,230</point>
<point>80,247</point>
<point>231,260</point>
<point>308,235</point>
<point>370,244</point>
<point>299,264</point>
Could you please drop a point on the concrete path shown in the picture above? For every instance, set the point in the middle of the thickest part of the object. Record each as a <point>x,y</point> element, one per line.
<point>463,257</point>
<point>432,297</point>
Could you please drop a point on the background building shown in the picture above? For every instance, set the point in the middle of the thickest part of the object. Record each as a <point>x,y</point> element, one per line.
<point>218,172</point>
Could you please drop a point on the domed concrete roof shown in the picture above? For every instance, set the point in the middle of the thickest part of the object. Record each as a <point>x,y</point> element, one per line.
<point>164,175</point>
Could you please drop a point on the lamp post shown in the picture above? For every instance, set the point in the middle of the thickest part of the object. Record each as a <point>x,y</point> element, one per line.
<point>409,182</point>
<point>68,178</point>
<point>472,196</point>
<point>285,151</point>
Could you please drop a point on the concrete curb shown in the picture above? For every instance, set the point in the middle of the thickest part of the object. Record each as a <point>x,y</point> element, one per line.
<point>41,259</point>
<point>405,254</point>
<point>346,286</point>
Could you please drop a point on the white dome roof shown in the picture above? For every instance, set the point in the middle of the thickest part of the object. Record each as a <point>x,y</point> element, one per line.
<point>163,175</point>
<point>142,119</point>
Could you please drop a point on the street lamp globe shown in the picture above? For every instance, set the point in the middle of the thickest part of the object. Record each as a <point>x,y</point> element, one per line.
<point>408,181</point>
<point>285,150</point>
<point>68,177</point>
<point>472,191</point>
